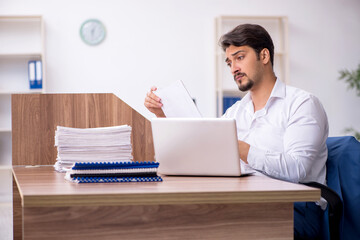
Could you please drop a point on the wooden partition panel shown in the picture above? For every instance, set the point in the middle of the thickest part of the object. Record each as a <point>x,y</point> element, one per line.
<point>36,116</point>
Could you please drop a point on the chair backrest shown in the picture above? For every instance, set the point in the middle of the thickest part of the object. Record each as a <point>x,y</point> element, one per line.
<point>343,176</point>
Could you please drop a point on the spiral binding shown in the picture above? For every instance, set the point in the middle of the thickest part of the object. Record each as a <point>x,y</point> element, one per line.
<point>114,179</point>
<point>112,165</point>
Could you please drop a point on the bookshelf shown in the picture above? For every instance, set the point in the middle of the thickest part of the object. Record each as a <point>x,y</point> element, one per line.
<point>277,26</point>
<point>22,40</point>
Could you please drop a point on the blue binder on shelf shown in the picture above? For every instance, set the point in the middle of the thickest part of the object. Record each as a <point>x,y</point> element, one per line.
<point>228,102</point>
<point>35,74</point>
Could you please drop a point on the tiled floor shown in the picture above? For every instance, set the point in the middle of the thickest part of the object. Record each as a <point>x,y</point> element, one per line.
<point>5,205</point>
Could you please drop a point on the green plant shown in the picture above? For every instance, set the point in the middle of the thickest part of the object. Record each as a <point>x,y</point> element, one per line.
<point>352,78</point>
<point>352,130</point>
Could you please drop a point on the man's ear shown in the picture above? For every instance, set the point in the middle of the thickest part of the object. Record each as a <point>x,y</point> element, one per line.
<point>265,56</point>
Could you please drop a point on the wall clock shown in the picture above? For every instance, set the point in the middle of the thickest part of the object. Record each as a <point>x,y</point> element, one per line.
<point>92,32</point>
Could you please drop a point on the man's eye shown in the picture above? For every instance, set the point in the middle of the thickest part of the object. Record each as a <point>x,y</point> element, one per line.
<point>228,64</point>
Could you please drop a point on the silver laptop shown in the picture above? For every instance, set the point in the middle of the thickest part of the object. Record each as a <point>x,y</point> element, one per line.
<point>197,147</point>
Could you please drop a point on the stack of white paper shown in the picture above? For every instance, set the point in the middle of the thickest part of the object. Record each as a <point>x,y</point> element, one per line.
<point>106,144</point>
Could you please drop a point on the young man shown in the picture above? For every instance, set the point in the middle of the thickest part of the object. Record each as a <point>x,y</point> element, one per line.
<point>282,130</point>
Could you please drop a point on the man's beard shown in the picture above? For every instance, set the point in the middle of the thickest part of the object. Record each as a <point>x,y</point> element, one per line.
<point>247,86</point>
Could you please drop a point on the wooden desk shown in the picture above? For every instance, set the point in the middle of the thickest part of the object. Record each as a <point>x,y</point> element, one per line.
<point>255,207</point>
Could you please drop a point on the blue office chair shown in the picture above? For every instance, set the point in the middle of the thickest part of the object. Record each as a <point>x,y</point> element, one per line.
<point>343,176</point>
<point>343,188</point>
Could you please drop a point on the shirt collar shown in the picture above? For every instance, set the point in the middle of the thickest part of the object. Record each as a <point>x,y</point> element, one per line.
<point>248,104</point>
<point>278,91</point>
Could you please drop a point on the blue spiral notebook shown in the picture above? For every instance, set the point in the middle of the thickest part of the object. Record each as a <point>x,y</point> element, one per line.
<point>106,172</point>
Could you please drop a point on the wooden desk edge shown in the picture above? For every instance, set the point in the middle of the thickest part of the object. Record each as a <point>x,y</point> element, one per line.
<point>114,199</point>
<point>15,182</point>
<point>168,198</point>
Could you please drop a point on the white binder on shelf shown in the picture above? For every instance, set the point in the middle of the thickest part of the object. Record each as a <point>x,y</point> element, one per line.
<point>32,73</point>
<point>38,72</point>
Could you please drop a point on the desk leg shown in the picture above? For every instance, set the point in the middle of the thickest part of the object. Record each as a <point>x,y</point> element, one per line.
<point>195,221</point>
<point>17,212</point>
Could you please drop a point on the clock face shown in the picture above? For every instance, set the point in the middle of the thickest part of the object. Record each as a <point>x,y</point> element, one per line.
<point>92,32</point>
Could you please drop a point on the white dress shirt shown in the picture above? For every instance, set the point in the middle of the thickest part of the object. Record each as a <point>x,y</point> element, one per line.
<point>287,137</point>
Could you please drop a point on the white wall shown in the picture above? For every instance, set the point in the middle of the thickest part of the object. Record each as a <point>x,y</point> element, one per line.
<point>158,41</point>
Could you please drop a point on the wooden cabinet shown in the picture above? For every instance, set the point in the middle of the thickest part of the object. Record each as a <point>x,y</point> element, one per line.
<point>277,27</point>
<point>22,40</point>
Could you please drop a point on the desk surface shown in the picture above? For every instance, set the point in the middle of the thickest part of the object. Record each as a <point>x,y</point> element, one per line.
<point>43,187</point>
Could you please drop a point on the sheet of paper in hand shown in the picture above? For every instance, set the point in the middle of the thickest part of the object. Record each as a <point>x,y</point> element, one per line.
<point>177,101</point>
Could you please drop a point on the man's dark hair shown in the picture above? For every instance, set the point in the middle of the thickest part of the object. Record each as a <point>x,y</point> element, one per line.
<point>252,35</point>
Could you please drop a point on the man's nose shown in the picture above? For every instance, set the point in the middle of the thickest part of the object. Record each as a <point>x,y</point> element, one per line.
<point>234,69</point>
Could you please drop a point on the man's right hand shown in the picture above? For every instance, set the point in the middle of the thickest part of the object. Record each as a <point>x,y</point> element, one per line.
<point>153,103</point>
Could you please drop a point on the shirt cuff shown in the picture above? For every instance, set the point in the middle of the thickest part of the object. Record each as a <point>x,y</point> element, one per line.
<point>256,158</point>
